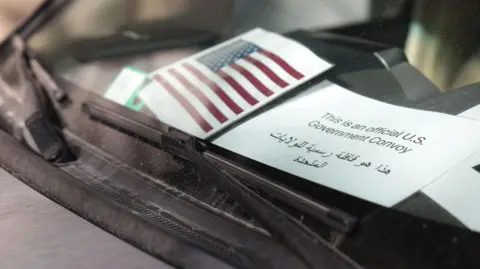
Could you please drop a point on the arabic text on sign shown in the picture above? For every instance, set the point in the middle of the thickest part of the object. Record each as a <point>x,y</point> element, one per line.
<point>294,142</point>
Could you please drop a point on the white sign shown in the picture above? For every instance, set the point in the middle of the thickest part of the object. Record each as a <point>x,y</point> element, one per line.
<point>458,191</point>
<point>212,89</point>
<point>369,149</point>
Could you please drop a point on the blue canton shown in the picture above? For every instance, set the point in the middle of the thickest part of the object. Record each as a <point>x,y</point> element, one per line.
<point>227,55</point>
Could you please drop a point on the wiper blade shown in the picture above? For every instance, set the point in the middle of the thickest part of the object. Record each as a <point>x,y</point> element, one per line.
<point>154,131</point>
<point>296,237</point>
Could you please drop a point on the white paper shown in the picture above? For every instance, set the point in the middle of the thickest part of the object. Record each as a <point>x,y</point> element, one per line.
<point>458,190</point>
<point>376,173</point>
<point>202,105</point>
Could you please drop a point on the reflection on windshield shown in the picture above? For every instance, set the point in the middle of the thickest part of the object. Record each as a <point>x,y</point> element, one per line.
<point>98,75</point>
<point>96,20</point>
<point>91,41</point>
<point>12,13</point>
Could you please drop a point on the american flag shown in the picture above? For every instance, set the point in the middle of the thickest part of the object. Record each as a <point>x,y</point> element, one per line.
<point>222,84</point>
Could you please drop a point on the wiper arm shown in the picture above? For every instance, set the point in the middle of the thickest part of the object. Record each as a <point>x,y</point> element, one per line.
<point>155,132</point>
<point>296,237</point>
<point>27,110</point>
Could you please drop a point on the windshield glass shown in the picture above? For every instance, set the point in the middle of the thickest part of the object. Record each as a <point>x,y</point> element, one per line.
<point>115,49</point>
<point>13,13</point>
<point>139,31</point>
<point>332,99</point>
<point>108,46</point>
<point>72,42</point>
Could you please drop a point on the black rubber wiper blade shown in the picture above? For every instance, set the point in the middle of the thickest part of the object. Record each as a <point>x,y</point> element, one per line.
<point>154,131</point>
<point>296,237</point>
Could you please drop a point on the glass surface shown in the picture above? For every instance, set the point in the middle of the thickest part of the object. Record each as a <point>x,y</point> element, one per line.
<point>86,26</point>
<point>70,43</point>
<point>93,44</point>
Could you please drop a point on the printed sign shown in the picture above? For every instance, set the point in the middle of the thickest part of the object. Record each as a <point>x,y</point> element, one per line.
<point>212,89</point>
<point>457,191</point>
<point>126,86</point>
<point>369,149</point>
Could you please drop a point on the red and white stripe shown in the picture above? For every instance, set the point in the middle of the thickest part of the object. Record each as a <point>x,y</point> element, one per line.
<point>214,99</point>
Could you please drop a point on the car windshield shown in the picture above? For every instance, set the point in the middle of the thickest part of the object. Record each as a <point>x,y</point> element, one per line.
<point>72,42</point>
<point>115,49</point>
<point>348,104</point>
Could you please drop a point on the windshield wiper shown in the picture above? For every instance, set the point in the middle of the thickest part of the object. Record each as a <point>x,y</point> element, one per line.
<point>26,108</point>
<point>140,125</point>
<point>296,237</point>
<point>47,98</point>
